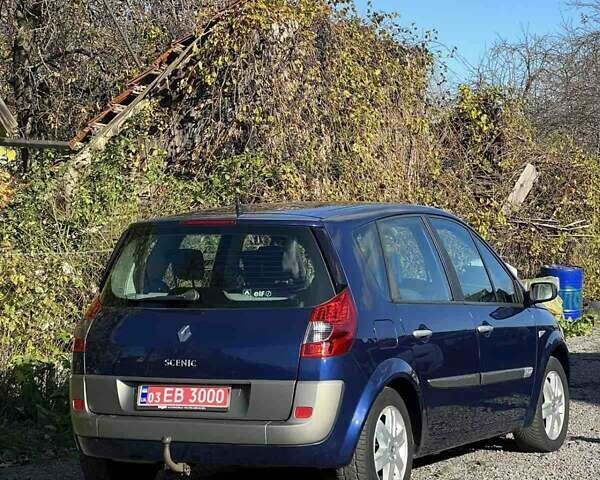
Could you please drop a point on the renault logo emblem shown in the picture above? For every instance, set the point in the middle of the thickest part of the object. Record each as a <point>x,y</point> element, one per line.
<point>184,334</point>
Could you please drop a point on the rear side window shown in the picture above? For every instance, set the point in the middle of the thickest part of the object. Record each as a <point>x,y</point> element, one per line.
<point>465,259</point>
<point>414,268</point>
<point>219,267</point>
<point>367,241</point>
<point>503,282</point>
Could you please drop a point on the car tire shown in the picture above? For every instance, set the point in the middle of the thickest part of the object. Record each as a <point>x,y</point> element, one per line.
<point>549,428</point>
<point>388,406</point>
<point>104,469</point>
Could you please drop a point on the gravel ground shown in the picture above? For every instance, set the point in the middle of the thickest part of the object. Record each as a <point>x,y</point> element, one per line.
<point>579,459</point>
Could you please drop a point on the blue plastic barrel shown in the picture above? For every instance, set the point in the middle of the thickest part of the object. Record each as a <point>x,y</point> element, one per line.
<point>571,288</point>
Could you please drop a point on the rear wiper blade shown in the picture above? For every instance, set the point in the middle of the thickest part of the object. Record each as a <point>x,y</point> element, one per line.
<point>188,296</point>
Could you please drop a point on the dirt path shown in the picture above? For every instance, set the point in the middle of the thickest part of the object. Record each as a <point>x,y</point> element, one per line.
<point>579,459</point>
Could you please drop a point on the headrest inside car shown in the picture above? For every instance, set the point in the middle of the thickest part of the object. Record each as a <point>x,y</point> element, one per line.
<point>264,266</point>
<point>188,264</point>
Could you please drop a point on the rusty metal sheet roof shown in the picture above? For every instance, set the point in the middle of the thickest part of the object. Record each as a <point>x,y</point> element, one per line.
<point>108,122</point>
<point>135,88</point>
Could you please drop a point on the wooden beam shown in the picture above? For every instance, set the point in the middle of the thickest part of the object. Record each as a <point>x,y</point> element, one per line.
<point>519,193</point>
<point>35,143</point>
<point>7,120</point>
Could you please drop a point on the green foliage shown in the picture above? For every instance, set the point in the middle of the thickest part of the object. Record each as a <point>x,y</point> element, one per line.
<point>247,176</point>
<point>581,327</point>
<point>41,387</point>
<point>34,409</point>
<point>478,114</point>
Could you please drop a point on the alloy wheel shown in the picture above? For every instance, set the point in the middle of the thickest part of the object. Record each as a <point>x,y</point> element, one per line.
<point>553,406</point>
<point>390,445</point>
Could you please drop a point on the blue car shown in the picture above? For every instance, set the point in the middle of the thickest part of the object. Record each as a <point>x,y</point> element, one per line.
<point>346,337</point>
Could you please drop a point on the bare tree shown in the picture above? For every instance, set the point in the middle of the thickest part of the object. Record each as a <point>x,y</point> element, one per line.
<point>557,75</point>
<point>518,66</point>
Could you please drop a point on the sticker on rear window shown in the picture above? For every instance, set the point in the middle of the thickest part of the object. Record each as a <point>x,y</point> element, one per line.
<point>261,295</point>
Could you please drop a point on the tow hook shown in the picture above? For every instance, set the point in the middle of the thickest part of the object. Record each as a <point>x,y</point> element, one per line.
<point>182,468</point>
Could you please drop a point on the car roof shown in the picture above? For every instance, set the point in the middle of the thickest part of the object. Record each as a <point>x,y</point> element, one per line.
<point>307,212</point>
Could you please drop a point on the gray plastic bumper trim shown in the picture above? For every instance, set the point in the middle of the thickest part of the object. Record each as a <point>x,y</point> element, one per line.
<point>250,399</point>
<point>325,398</point>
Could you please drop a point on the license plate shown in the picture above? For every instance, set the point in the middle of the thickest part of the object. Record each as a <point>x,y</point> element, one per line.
<point>183,397</point>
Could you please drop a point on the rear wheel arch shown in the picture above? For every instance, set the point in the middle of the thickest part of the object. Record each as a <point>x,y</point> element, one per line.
<point>409,392</point>
<point>396,374</point>
<point>363,462</point>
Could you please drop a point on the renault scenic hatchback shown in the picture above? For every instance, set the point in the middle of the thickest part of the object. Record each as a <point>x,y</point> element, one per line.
<point>345,337</point>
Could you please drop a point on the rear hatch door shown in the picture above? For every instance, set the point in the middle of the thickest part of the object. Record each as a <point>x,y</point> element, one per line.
<point>206,304</point>
<point>260,344</point>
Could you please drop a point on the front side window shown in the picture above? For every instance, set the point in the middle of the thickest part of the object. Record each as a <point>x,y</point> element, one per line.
<point>465,259</point>
<point>503,282</point>
<point>219,267</point>
<point>414,268</point>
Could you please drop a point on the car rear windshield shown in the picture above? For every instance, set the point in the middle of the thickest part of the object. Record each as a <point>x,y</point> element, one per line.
<point>218,267</point>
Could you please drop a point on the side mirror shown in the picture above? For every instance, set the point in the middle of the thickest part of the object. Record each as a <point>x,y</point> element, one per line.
<point>540,292</point>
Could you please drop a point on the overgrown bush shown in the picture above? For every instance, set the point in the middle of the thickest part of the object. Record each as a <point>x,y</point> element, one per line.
<point>486,140</point>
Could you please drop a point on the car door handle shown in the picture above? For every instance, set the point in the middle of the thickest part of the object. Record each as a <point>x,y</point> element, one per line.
<point>485,329</point>
<point>421,334</point>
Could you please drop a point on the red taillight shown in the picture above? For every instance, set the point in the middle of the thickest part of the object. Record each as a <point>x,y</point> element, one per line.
<point>78,405</point>
<point>78,345</point>
<point>90,313</point>
<point>303,412</point>
<point>331,328</point>
<point>93,309</point>
<point>209,222</point>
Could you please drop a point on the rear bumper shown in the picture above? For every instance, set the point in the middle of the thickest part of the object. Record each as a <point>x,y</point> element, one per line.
<point>324,396</point>
<point>321,455</point>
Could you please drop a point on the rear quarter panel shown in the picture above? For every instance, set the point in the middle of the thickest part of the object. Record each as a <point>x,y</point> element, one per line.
<point>369,367</point>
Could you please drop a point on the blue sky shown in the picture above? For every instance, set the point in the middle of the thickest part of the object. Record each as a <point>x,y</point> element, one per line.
<point>472,25</point>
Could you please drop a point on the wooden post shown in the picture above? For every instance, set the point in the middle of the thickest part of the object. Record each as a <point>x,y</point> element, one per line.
<point>7,121</point>
<point>521,190</point>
